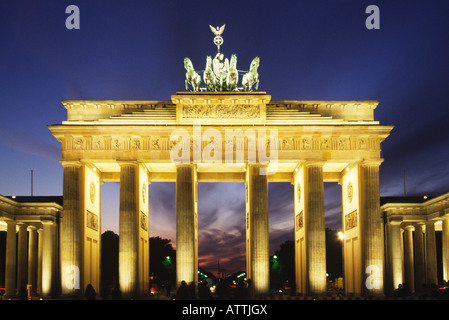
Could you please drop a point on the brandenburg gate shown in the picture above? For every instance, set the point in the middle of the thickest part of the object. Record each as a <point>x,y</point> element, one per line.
<point>210,137</point>
<point>222,133</point>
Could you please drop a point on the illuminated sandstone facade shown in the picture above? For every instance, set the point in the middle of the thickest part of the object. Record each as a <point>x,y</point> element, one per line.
<point>218,137</point>
<point>32,244</point>
<point>207,137</point>
<point>411,224</point>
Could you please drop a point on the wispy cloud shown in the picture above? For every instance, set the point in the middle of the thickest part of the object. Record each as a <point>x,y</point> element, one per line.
<point>28,143</point>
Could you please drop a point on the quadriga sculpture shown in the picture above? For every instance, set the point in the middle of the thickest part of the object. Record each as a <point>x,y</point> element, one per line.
<point>221,75</point>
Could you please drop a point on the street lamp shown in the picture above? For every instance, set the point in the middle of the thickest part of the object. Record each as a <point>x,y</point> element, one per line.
<point>341,235</point>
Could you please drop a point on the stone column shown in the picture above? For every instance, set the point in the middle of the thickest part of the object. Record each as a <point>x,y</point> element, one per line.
<point>128,240</point>
<point>22,260</point>
<point>409,272</point>
<point>259,264</point>
<point>186,224</point>
<point>420,271</point>
<point>395,254</point>
<point>431,254</point>
<point>315,228</point>
<point>10,265</point>
<point>32,259</point>
<point>39,261</point>
<point>49,258</point>
<point>445,248</point>
<point>372,224</point>
<point>71,233</point>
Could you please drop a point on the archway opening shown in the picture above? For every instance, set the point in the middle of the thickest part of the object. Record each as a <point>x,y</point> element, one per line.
<point>221,232</point>
<point>282,236</point>
<point>110,203</point>
<point>334,245</point>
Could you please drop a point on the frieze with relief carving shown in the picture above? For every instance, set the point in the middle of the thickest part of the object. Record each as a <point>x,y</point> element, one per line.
<point>285,143</point>
<point>238,111</point>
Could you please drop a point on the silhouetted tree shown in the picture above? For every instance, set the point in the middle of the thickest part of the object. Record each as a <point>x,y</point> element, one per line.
<point>282,271</point>
<point>162,259</point>
<point>109,260</point>
<point>333,254</point>
<point>161,268</point>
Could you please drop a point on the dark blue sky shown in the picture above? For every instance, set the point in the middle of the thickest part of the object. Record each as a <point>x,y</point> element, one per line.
<point>317,50</point>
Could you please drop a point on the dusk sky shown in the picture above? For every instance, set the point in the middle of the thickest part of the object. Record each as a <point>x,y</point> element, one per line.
<point>309,50</point>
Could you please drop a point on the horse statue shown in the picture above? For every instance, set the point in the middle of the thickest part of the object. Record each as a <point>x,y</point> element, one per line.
<point>251,77</point>
<point>208,75</point>
<point>233,75</point>
<point>192,78</point>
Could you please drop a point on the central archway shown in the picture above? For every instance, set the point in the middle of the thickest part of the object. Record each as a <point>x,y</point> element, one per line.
<point>221,227</point>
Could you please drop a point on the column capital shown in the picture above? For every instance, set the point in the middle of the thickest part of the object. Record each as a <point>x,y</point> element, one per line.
<point>180,164</point>
<point>395,222</point>
<point>314,163</point>
<point>22,225</point>
<point>47,220</point>
<point>409,227</point>
<point>10,222</point>
<point>71,163</point>
<point>263,167</point>
<point>123,163</point>
<point>420,224</point>
<point>260,165</point>
<point>371,163</point>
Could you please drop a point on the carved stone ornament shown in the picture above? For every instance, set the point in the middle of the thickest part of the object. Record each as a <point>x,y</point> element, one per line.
<point>92,192</point>
<point>299,193</point>
<point>78,143</point>
<point>144,192</point>
<point>135,144</point>
<point>91,220</point>
<point>350,191</point>
<point>143,221</point>
<point>351,220</point>
<point>307,143</point>
<point>299,221</point>
<point>343,144</point>
<point>97,144</point>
